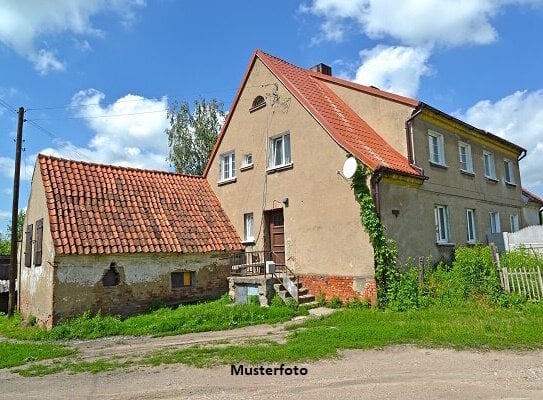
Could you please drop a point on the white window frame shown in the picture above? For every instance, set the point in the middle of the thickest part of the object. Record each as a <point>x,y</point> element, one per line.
<point>441,214</point>
<point>282,144</point>
<point>436,139</point>
<point>489,165</point>
<point>509,171</point>
<point>247,160</point>
<point>495,226</point>
<point>248,227</point>
<point>468,161</point>
<point>471,226</point>
<point>227,168</point>
<point>514,222</point>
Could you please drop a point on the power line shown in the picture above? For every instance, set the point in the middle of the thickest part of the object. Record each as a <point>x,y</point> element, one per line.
<point>56,137</point>
<point>101,116</point>
<point>7,106</point>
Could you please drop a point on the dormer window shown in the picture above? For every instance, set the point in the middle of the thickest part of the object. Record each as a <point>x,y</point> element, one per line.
<point>258,103</point>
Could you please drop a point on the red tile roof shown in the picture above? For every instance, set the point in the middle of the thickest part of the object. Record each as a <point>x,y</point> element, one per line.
<point>531,196</point>
<point>102,209</point>
<point>344,126</point>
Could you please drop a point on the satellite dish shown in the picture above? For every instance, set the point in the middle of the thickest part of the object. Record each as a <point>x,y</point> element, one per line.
<point>349,167</point>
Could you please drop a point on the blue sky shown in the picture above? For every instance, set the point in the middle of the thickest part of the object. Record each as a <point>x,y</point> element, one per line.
<point>96,76</point>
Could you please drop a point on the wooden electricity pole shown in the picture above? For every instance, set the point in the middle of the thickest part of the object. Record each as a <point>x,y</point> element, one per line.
<point>15,214</point>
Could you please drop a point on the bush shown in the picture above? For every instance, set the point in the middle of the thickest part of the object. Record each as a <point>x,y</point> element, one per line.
<point>335,302</point>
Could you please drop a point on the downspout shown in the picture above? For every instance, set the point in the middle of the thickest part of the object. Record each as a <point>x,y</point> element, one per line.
<point>409,138</point>
<point>374,183</point>
<point>522,155</point>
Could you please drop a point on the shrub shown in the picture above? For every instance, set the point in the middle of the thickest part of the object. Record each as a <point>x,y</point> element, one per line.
<point>335,302</point>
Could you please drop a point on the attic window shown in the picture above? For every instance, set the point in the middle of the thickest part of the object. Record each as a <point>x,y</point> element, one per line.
<point>111,276</point>
<point>258,103</point>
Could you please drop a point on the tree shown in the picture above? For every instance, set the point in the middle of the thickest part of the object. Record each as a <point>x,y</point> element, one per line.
<point>5,239</point>
<point>192,135</point>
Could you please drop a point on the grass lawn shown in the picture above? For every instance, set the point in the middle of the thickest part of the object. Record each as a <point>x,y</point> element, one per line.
<point>13,354</point>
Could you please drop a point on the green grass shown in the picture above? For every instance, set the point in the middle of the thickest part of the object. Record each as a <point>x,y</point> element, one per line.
<point>467,327</point>
<point>14,354</point>
<point>209,316</point>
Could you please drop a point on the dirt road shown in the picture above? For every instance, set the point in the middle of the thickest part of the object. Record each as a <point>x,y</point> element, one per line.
<point>399,372</point>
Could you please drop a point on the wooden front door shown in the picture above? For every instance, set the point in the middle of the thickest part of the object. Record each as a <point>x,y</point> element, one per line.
<point>276,229</point>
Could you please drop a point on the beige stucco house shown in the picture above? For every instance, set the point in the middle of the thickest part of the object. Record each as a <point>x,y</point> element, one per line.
<point>118,240</point>
<point>438,183</point>
<point>532,212</point>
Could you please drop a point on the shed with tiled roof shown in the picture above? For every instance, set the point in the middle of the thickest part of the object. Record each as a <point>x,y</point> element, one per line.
<point>116,239</point>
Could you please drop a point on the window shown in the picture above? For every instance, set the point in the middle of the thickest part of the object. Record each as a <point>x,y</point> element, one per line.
<point>471,226</point>
<point>442,224</point>
<point>490,169</point>
<point>437,150</point>
<point>248,223</point>
<point>39,242</point>
<point>258,102</point>
<point>464,151</point>
<point>279,151</point>
<point>513,221</point>
<point>509,172</point>
<point>495,222</point>
<point>183,279</point>
<point>28,245</point>
<point>228,166</point>
<point>247,160</point>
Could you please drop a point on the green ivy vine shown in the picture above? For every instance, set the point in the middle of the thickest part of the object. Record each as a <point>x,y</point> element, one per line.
<point>385,250</point>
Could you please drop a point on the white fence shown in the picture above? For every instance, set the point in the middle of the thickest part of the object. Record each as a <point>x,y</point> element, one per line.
<point>522,281</point>
<point>531,238</point>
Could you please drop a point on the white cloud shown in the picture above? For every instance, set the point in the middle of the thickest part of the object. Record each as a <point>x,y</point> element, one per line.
<point>7,168</point>
<point>128,132</point>
<point>396,69</point>
<point>413,22</point>
<point>23,22</point>
<point>519,119</point>
<point>5,214</point>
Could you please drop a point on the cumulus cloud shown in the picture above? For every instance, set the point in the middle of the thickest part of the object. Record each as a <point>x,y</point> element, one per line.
<point>396,69</point>
<point>417,26</point>
<point>128,132</point>
<point>519,119</point>
<point>413,22</point>
<point>7,169</point>
<point>42,18</point>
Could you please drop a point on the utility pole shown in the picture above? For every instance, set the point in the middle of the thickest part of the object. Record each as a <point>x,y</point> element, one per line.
<point>15,213</point>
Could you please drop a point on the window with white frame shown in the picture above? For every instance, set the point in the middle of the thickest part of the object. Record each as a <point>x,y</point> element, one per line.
<point>513,222</point>
<point>279,152</point>
<point>228,166</point>
<point>509,171</point>
<point>248,222</point>
<point>437,148</point>
<point>247,160</point>
<point>490,167</point>
<point>441,214</point>
<point>464,151</point>
<point>471,226</point>
<point>495,222</point>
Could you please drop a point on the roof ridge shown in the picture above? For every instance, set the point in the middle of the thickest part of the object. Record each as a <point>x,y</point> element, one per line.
<point>120,167</point>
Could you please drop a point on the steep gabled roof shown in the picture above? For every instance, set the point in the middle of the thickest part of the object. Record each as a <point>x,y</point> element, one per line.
<point>102,209</point>
<point>343,125</point>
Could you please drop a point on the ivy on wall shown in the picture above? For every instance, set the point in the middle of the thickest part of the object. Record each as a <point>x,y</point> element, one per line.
<point>385,251</point>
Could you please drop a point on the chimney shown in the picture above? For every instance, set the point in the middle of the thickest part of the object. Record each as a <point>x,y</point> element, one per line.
<point>322,68</point>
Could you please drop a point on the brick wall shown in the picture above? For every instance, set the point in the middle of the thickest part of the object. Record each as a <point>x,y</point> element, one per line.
<point>342,286</point>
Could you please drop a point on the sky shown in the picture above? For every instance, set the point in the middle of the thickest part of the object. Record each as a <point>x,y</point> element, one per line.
<point>97,76</point>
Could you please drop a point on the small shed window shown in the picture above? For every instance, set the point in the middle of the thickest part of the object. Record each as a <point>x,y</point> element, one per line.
<point>183,279</point>
<point>111,276</point>
<point>39,242</point>
<point>258,103</point>
<point>28,245</point>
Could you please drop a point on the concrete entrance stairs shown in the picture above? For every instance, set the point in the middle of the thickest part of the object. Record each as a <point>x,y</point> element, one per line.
<point>304,297</point>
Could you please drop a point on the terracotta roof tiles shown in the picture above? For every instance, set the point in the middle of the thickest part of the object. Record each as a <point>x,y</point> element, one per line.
<point>346,127</point>
<point>103,209</point>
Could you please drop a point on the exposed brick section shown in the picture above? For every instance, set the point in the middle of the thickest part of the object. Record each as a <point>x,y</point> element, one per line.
<point>341,286</point>
<point>103,209</point>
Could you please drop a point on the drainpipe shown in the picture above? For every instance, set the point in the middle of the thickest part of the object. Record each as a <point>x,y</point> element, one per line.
<point>374,183</point>
<point>409,138</point>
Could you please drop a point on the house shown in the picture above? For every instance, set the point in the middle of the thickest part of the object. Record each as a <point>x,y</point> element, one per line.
<point>532,212</point>
<point>118,240</point>
<point>437,182</point>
